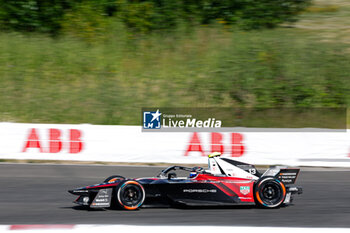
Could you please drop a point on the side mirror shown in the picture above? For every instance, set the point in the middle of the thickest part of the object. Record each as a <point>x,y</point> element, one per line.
<point>172,175</point>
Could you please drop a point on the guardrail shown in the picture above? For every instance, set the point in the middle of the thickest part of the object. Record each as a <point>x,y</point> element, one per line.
<point>85,142</point>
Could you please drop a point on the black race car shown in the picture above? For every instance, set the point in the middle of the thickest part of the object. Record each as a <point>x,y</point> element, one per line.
<point>226,182</point>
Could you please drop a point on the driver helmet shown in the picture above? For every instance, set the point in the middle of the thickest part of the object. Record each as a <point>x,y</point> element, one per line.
<point>192,174</point>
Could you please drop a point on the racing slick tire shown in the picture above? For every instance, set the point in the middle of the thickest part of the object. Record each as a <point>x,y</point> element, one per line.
<point>269,192</point>
<point>113,178</point>
<point>130,195</point>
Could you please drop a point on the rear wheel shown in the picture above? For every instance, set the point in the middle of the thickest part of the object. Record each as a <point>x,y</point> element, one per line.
<point>269,192</point>
<point>130,195</point>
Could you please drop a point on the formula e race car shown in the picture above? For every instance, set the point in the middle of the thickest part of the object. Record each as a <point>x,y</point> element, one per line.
<point>226,182</point>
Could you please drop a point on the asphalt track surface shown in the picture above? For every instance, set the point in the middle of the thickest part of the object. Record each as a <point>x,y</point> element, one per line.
<point>37,194</point>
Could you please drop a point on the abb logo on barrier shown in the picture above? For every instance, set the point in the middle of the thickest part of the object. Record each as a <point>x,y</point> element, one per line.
<point>55,143</point>
<point>236,146</point>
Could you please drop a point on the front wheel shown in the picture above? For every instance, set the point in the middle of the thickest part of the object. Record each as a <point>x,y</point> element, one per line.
<point>130,195</point>
<point>114,178</point>
<point>269,192</point>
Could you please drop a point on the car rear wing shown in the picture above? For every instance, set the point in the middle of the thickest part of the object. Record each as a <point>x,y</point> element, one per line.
<point>286,175</point>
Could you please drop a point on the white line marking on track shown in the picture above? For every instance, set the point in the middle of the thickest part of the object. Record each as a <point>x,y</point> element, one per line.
<point>162,229</point>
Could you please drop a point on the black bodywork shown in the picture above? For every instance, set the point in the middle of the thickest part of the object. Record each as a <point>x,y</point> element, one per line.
<point>199,188</point>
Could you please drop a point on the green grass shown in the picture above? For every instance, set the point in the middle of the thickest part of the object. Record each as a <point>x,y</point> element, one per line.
<point>67,80</point>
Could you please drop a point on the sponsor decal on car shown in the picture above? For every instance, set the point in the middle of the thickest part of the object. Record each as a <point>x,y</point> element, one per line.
<point>103,198</point>
<point>199,190</point>
<point>244,190</point>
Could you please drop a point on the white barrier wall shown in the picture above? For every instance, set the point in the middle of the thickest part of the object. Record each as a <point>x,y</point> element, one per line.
<point>128,144</point>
